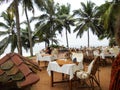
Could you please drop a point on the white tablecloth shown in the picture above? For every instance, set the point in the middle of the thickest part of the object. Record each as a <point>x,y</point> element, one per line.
<point>40,57</point>
<point>103,56</point>
<point>68,69</point>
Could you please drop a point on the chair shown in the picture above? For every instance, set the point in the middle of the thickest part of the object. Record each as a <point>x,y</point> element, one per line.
<point>90,55</point>
<point>116,50</point>
<point>54,53</point>
<point>90,74</point>
<point>78,57</point>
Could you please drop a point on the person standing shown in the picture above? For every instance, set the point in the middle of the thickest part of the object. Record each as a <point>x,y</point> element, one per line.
<point>48,50</point>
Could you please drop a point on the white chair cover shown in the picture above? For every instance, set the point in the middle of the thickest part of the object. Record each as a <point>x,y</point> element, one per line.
<point>79,58</point>
<point>85,74</point>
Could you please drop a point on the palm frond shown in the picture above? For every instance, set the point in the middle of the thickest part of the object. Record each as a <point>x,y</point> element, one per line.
<point>3,33</point>
<point>40,4</point>
<point>3,44</point>
<point>3,25</point>
<point>13,42</point>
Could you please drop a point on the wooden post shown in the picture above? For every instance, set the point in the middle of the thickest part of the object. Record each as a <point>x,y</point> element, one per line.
<point>52,78</point>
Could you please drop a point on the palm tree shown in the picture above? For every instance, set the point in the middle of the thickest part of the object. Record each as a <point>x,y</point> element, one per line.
<point>15,9</point>
<point>28,5</point>
<point>47,22</point>
<point>44,35</point>
<point>111,21</point>
<point>18,26</point>
<point>67,19</point>
<point>87,19</point>
<point>9,33</point>
<point>25,38</point>
<point>110,12</point>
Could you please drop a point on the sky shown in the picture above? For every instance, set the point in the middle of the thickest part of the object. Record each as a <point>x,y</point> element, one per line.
<point>77,42</point>
<point>73,41</point>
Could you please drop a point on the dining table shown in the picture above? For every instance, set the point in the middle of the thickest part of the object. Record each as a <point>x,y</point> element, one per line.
<point>44,57</point>
<point>65,67</point>
<point>105,55</point>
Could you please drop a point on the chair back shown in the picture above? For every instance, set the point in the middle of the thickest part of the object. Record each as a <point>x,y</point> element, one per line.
<point>90,66</point>
<point>95,67</point>
<point>78,56</point>
<point>38,55</point>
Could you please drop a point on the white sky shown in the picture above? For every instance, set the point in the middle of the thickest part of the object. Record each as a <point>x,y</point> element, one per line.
<point>77,42</point>
<point>76,3</point>
<point>73,41</point>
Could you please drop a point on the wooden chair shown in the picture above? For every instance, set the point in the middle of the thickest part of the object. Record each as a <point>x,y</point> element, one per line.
<point>90,74</point>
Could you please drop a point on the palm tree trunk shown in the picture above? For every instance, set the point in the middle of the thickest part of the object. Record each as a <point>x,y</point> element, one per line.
<point>29,32</point>
<point>88,38</point>
<point>67,39</point>
<point>18,28</point>
<point>117,32</point>
<point>52,31</point>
